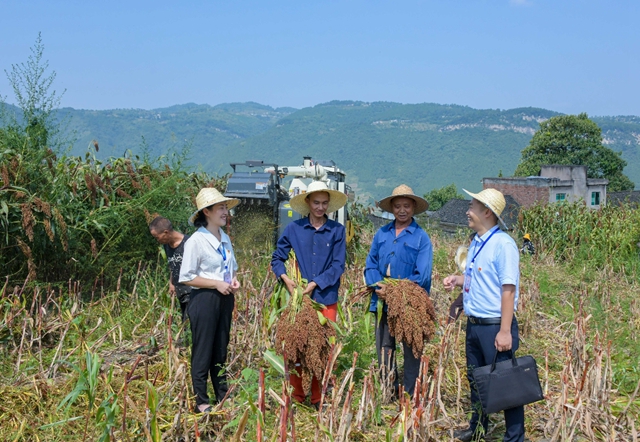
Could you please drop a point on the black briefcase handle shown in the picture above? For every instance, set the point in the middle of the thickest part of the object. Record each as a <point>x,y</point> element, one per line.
<point>514,361</point>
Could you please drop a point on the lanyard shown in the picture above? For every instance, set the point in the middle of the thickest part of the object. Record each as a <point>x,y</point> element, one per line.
<point>222,252</point>
<point>483,244</point>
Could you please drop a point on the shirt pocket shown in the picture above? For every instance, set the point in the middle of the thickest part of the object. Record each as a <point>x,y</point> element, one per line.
<point>409,254</point>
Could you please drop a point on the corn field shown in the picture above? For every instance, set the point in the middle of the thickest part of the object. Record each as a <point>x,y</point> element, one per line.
<point>567,231</point>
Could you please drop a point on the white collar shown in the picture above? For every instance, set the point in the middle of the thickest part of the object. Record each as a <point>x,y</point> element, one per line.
<point>210,237</point>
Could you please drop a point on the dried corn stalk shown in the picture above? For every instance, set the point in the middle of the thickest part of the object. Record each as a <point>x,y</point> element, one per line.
<point>410,313</point>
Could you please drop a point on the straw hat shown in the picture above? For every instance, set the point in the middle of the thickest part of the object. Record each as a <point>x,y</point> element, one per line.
<point>208,196</point>
<point>527,236</point>
<point>337,199</point>
<point>461,258</point>
<point>492,199</point>
<point>405,191</point>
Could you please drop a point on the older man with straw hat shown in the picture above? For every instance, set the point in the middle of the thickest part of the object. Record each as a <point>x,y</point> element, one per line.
<point>490,297</point>
<point>402,250</point>
<point>320,247</point>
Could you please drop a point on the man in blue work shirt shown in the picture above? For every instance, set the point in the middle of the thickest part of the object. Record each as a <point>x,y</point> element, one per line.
<point>320,247</point>
<point>400,250</point>
<point>490,297</point>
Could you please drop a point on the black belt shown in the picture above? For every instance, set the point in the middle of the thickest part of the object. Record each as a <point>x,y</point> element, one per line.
<point>484,321</point>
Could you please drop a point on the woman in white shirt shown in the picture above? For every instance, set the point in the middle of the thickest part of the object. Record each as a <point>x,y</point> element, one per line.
<point>209,266</point>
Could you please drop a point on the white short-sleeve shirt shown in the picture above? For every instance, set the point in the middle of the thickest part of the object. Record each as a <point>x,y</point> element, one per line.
<point>204,256</point>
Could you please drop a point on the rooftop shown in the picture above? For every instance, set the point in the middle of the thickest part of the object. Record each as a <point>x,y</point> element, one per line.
<point>454,212</point>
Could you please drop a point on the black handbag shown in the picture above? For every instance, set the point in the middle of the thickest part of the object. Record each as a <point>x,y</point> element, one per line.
<point>508,384</point>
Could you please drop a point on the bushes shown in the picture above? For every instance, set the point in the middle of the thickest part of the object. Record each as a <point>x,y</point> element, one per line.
<point>84,219</point>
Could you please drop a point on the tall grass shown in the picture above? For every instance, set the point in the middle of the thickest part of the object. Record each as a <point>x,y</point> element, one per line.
<point>85,219</point>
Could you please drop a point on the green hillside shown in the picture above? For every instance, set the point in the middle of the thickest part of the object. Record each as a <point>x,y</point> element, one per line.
<point>378,144</point>
<point>622,134</point>
<point>207,130</point>
<point>381,144</point>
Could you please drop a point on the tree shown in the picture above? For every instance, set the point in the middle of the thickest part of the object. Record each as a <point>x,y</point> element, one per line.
<point>31,83</point>
<point>574,140</point>
<point>439,197</point>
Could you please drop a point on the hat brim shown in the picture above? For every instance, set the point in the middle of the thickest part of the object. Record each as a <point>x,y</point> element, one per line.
<point>421,204</point>
<point>231,203</point>
<point>487,204</point>
<point>337,200</point>
<point>461,258</point>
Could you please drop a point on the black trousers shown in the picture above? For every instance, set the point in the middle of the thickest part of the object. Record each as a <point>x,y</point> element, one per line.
<point>210,316</point>
<point>480,349</point>
<point>386,348</point>
<point>183,310</point>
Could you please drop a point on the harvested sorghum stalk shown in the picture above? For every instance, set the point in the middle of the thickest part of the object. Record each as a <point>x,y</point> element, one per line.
<point>410,313</point>
<point>304,339</point>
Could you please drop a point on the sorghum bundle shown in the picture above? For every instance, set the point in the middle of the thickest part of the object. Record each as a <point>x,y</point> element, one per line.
<point>410,313</point>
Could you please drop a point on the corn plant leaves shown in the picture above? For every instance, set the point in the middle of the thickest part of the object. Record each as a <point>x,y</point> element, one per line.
<point>275,360</point>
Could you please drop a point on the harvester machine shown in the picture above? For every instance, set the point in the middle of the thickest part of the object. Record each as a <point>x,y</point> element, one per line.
<point>256,183</point>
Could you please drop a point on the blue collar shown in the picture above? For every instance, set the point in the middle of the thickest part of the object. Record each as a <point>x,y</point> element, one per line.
<point>307,223</point>
<point>410,228</point>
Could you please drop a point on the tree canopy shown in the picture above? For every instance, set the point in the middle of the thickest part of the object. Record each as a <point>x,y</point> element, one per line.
<point>574,140</point>
<point>439,197</point>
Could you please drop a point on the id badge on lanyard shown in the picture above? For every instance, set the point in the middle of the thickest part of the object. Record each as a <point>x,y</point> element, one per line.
<point>467,278</point>
<point>227,273</point>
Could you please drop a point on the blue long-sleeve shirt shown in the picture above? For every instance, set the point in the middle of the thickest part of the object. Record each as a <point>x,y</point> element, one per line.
<point>321,256</point>
<point>409,255</point>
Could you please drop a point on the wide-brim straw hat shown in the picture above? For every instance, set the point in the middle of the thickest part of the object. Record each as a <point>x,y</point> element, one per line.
<point>492,199</point>
<point>461,258</point>
<point>209,196</point>
<point>404,191</point>
<point>337,199</point>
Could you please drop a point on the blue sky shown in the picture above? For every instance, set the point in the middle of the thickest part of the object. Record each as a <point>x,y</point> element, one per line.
<point>568,56</point>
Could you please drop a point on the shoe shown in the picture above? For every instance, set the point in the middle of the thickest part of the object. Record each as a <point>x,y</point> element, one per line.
<point>466,435</point>
<point>325,406</point>
<point>208,409</point>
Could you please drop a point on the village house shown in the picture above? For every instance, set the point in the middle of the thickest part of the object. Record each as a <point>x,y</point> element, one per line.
<point>556,183</point>
<point>631,197</point>
<point>453,215</point>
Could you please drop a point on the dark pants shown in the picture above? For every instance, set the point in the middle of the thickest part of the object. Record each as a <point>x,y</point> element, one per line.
<point>480,348</point>
<point>183,310</point>
<point>210,314</point>
<point>455,309</point>
<point>386,348</point>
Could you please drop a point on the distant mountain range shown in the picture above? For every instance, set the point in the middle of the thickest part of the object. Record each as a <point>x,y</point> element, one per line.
<point>379,145</point>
